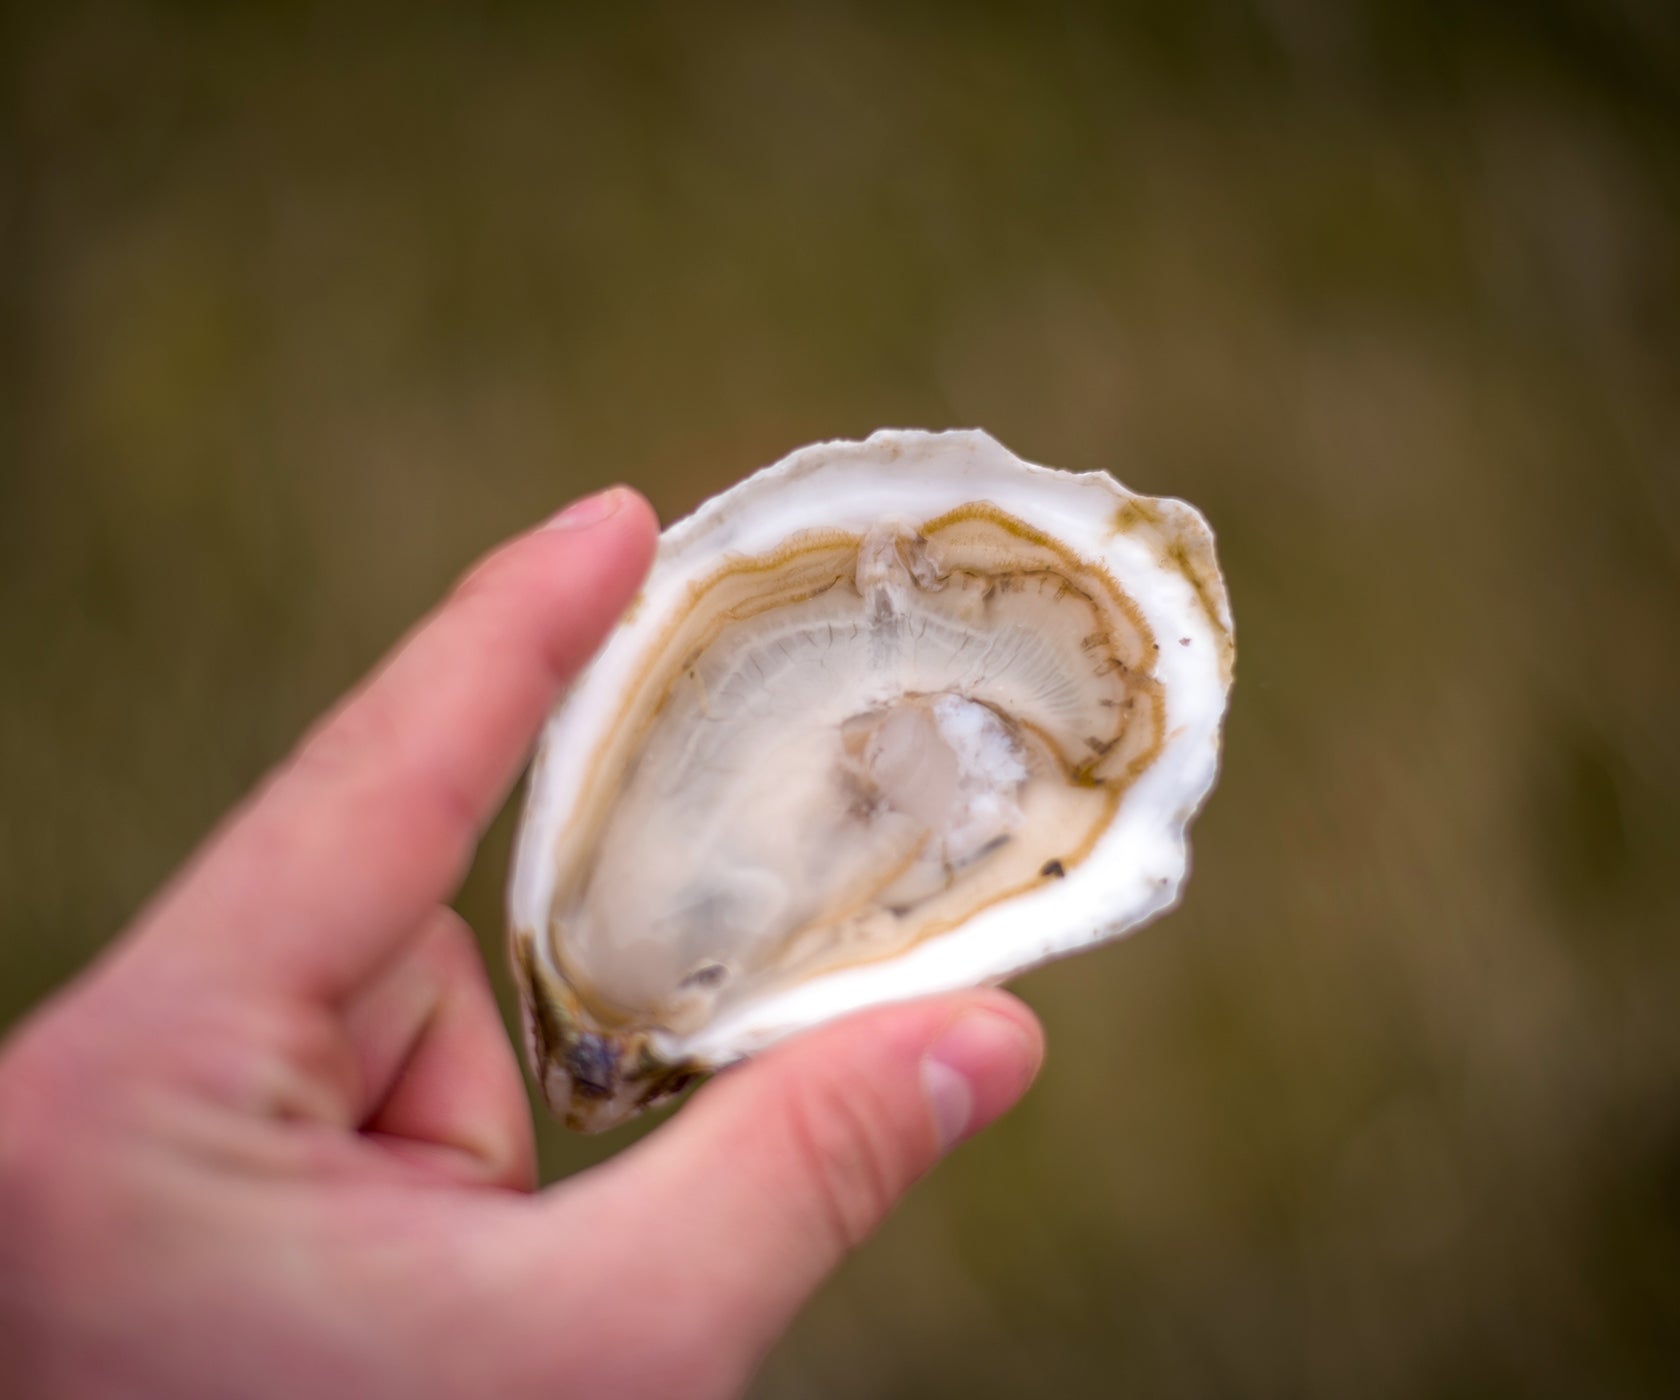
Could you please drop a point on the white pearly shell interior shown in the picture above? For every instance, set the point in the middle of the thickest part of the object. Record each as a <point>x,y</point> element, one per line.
<point>889,718</point>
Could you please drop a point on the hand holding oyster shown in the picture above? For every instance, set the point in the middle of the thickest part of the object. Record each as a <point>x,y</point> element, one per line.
<point>888,719</point>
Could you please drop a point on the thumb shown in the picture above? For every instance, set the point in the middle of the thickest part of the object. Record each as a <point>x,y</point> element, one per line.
<point>759,1188</point>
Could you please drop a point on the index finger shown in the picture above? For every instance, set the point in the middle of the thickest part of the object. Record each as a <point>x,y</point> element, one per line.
<point>317,881</point>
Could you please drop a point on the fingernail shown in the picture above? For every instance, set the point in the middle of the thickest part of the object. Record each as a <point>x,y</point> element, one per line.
<point>591,510</point>
<point>977,1069</point>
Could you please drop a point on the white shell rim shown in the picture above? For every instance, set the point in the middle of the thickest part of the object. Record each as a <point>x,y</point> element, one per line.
<point>1137,868</point>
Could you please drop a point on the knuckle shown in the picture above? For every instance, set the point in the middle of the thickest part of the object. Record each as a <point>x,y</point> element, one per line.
<point>511,573</point>
<point>335,753</point>
<point>303,1067</point>
<point>349,760</point>
<point>270,1061</point>
<point>486,574</point>
<point>842,1137</point>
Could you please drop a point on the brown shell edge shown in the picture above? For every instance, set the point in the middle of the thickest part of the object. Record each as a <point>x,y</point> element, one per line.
<point>591,1080</point>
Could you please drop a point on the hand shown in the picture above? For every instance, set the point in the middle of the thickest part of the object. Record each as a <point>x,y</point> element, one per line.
<point>275,1142</point>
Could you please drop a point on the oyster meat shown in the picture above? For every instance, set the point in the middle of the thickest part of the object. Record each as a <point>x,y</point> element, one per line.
<point>888,718</point>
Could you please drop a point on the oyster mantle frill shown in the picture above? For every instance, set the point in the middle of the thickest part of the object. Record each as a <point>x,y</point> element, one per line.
<point>888,718</point>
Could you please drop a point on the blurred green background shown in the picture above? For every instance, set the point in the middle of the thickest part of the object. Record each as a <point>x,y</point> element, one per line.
<point>301,307</point>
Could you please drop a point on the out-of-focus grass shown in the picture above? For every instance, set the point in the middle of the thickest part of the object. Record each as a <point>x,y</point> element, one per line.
<point>299,311</point>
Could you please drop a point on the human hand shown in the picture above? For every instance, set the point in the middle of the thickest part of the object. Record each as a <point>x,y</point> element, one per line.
<point>275,1141</point>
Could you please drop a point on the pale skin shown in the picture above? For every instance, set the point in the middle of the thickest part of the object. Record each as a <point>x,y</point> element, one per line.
<point>275,1142</point>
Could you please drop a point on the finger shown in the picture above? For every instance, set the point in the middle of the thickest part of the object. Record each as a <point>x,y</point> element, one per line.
<point>439,1081</point>
<point>781,1167</point>
<point>314,885</point>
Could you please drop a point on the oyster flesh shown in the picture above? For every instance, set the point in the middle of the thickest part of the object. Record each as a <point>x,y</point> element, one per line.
<point>888,718</point>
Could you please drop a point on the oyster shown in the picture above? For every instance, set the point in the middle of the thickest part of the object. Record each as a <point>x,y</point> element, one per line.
<point>889,718</point>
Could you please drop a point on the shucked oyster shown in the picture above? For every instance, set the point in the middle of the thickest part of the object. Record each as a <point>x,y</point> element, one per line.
<point>889,718</point>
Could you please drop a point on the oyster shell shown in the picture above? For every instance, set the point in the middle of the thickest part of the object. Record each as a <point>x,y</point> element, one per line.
<point>889,718</point>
